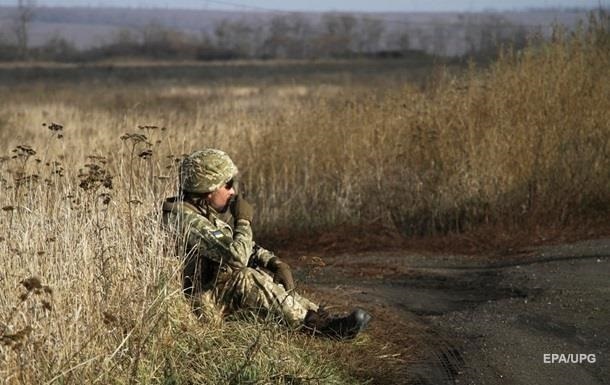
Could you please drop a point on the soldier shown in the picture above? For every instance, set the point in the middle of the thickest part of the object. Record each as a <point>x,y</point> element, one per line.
<point>223,265</point>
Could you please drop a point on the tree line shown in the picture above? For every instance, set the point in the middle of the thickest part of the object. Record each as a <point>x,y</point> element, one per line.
<point>292,36</point>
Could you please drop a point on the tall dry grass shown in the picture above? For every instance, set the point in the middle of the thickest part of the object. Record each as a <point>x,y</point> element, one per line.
<point>523,143</point>
<point>90,292</point>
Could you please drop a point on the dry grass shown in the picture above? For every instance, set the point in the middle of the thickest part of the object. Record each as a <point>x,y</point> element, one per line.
<point>524,143</point>
<point>90,291</point>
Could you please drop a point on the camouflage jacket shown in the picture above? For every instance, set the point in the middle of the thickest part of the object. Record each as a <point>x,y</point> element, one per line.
<point>204,237</point>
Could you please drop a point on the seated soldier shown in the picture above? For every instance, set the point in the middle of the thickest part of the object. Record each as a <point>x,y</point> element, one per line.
<point>221,261</point>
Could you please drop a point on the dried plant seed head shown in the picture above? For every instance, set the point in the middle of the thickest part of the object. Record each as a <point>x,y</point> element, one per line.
<point>135,139</point>
<point>109,319</point>
<point>98,158</point>
<point>108,182</point>
<point>105,198</point>
<point>95,176</point>
<point>31,283</point>
<point>146,154</point>
<point>24,151</point>
<point>47,305</point>
<point>55,127</point>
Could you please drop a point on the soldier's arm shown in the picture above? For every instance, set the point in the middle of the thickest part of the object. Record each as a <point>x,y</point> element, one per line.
<point>213,244</point>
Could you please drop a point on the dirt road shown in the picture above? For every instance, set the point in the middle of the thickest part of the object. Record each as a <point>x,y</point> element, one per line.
<point>514,320</point>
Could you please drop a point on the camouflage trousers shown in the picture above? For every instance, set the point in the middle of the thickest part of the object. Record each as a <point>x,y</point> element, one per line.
<point>253,289</point>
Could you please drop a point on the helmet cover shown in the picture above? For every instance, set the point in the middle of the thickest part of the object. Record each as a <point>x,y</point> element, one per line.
<point>205,171</point>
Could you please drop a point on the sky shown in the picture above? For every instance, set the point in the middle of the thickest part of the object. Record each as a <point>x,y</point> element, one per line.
<point>330,5</point>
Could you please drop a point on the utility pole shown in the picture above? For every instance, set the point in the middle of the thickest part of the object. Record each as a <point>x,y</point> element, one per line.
<point>25,12</point>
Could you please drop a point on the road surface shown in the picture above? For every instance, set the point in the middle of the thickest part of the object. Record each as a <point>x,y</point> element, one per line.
<point>484,320</point>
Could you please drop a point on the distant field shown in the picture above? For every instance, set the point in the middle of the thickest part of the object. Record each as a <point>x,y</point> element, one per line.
<point>370,73</point>
<point>458,147</point>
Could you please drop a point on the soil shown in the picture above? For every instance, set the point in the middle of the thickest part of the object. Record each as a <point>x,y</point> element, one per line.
<point>457,319</point>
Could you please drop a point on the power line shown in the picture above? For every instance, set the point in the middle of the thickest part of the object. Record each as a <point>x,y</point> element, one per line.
<point>250,7</point>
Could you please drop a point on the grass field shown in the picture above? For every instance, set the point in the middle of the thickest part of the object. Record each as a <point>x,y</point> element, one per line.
<point>91,295</point>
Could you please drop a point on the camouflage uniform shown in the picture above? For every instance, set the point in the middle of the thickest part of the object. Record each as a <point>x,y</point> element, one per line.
<point>222,262</point>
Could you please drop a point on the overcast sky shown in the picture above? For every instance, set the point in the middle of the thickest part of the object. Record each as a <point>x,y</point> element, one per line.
<point>330,5</point>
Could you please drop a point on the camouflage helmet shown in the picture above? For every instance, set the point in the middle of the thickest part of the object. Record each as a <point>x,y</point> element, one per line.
<point>205,171</point>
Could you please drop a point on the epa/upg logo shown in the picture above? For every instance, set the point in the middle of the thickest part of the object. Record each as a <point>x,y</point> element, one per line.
<point>553,358</point>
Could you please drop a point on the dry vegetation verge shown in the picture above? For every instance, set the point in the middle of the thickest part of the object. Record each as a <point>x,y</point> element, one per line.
<point>524,143</point>
<point>89,290</point>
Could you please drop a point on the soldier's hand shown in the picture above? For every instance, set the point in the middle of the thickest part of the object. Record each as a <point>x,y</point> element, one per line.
<point>241,209</point>
<point>281,273</point>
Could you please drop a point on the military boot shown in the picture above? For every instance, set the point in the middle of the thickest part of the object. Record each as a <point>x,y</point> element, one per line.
<point>337,327</point>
